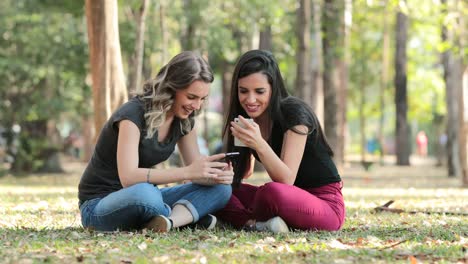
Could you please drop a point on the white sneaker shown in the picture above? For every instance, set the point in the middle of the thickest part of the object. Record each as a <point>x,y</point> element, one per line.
<point>275,225</point>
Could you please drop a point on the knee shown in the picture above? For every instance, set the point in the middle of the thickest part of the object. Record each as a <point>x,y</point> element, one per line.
<point>270,192</point>
<point>223,193</point>
<point>272,188</point>
<point>145,193</point>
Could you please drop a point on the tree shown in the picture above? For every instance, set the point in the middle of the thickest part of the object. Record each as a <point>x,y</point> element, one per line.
<point>265,38</point>
<point>402,144</point>
<point>452,60</point>
<point>109,89</point>
<point>333,79</point>
<point>303,85</point>
<point>317,102</point>
<point>136,62</point>
<point>383,80</point>
<point>40,84</point>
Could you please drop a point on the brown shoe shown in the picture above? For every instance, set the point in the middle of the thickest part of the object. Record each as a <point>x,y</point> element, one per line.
<point>160,224</point>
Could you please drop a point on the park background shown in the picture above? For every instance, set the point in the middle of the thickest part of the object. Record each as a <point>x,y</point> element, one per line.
<point>376,72</point>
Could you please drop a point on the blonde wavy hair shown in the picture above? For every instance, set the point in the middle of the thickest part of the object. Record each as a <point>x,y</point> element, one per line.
<point>158,93</point>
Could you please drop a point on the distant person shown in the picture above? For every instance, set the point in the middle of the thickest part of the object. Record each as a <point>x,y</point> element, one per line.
<point>421,142</point>
<point>75,144</point>
<point>441,149</point>
<point>119,189</point>
<point>286,137</point>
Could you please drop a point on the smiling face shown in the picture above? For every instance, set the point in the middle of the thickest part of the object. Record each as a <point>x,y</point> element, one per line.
<point>254,93</point>
<point>190,99</point>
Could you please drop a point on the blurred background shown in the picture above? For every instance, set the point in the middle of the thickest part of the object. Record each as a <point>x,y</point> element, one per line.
<point>388,79</point>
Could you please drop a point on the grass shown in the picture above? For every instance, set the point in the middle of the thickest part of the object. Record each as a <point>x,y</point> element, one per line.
<point>40,222</point>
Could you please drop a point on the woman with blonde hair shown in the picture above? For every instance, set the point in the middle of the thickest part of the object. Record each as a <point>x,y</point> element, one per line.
<point>119,190</point>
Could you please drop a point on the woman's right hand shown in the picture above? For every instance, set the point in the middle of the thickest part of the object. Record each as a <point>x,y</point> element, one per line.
<point>206,168</point>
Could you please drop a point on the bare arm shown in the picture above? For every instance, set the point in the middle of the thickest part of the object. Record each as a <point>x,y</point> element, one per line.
<point>130,173</point>
<point>284,169</point>
<point>188,147</point>
<point>280,169</point>
<point>190,153</point>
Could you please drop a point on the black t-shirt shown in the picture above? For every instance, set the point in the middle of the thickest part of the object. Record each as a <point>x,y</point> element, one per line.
<point>101,177</point>
<point>317,167</point>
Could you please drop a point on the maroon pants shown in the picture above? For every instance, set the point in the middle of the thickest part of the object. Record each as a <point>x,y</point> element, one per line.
<point>319,208</point>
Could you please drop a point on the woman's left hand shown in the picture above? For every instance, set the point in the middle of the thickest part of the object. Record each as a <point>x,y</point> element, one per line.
<point>226,176</point>
<point>247,132</point>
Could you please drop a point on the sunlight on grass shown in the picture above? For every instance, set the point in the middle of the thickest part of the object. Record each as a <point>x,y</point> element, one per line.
<point>40,222</point>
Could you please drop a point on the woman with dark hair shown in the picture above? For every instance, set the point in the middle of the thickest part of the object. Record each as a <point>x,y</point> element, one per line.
<point>119,189</point>
<point>286,137</point>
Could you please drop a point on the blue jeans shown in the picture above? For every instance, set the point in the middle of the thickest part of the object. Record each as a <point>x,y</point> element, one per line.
<point>132,207</point>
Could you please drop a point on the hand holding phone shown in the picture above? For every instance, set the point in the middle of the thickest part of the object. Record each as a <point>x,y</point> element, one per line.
<point>237,142</point>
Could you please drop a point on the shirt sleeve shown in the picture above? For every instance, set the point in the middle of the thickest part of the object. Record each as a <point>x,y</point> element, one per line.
<point>295,113</point>
<point>132,111</point>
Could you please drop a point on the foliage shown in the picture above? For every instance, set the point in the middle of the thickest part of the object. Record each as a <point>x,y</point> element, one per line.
<point>42,71</point>
<point>39,222</point>
<point>426,88</point>
<point>44,55</point>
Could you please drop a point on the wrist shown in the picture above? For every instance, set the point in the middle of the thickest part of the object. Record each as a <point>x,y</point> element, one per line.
<point>262,146</point>
<point>185,174</point>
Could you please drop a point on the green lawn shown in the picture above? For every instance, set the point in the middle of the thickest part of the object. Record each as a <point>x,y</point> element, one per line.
<point>40,222</point>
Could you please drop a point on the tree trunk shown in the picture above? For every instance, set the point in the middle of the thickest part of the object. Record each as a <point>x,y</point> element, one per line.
<point>383,84</point>
<point>333,49</point>
<point>303,85</point>
<point>265,38</point>
<point>464,84</point>
<point>226,80</point>
<point>108,80</point>
<point>362,114</point>
<point>317,101</point>
<point>402,144</point>
<point>164,33</point>
<point>188,36</point>
<point>452,99</point>
<point>343,63</point>
<point>136,65</point>
<point>88,133</point>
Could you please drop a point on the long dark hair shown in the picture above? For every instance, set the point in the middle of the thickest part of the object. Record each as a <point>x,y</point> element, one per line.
<point>261,61</point>
<point>254,61</point>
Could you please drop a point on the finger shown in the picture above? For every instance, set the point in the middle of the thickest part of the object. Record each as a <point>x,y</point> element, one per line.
<point>225,179</point>
<point>215,171</point>
<point>217,164</point>
<point>216,157</point>
<point>247,124</point>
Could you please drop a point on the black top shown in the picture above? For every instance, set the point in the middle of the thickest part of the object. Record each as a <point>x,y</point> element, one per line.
<point>100,177</point>
<point>317,167</point>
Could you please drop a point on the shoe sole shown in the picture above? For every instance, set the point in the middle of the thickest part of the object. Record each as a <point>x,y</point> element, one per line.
<point>213,223</point>
<point>159,224</point>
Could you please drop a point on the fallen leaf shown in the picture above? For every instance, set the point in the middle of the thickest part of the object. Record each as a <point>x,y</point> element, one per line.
<point>143,246</point>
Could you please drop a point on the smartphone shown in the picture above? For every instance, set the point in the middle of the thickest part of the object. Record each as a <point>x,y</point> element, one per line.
<point>230,156</point>
<point>237,142</point>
